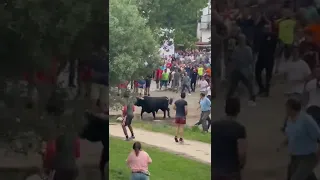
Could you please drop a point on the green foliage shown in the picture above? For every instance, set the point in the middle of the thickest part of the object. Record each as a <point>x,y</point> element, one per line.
<point>180,15</point>
<point>131,42</point>
<point>34,31</point>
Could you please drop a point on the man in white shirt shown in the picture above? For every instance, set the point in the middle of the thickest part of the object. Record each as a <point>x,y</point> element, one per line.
<point>297,72</point>
<point>313,106</point>
<point>209,92</point>
<point>203,84</point>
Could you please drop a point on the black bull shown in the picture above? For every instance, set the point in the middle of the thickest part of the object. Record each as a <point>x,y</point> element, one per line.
<point>154,104</point>
<point>97,130</point>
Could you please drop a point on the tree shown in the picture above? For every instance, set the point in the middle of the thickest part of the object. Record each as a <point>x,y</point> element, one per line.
<point>180,15</point>
<point>131,42</point>
<point>32,33</point>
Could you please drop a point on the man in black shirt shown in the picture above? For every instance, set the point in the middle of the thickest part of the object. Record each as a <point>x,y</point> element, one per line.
<point>194,76</point>
<point>265,60</point>
<point>181,113</point>
<point>228,137</point>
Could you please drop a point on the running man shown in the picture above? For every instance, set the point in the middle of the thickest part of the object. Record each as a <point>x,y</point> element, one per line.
<point>205,106</point>
<point>127,117</point>
<point>181,113</point>
<point>185,83</point>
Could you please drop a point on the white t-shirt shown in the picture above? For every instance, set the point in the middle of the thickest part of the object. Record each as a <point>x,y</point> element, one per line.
<point>314,93</point>
<point>296,72</point>
<point>208,90</point>
<point>203,85</point>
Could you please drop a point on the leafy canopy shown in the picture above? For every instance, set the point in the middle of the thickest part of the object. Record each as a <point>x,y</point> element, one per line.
<point>32,32</point>
<point>131,43</point>
<point>180,15</point>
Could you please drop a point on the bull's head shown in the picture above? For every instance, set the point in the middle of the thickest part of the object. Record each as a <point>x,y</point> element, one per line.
<point>139,102</point>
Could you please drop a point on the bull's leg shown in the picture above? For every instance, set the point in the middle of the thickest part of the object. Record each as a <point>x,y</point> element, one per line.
<point>168,112</point>
<point>164,113</point>
<point>154,114</point>
<point>141,113</point>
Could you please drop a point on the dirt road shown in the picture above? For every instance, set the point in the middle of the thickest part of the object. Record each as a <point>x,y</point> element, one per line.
<point>192,149</point>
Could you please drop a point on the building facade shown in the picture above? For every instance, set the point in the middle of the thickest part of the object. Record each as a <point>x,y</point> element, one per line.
<point>204,26</point>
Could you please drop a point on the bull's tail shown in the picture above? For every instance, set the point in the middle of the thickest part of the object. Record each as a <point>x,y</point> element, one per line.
<point>170,101</point>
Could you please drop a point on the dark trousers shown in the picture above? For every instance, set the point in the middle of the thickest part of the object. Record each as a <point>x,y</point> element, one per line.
<point>262,64</point>
<point>208,122</point>
<point>193,85</point>
<point>237,77</point>
<point>301,167</point>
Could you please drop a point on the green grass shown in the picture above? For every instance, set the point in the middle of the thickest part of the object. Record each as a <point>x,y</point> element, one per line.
<point>165,165</point>
<point>190,133</point>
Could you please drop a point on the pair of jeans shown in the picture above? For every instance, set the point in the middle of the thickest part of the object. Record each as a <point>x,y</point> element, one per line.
<point>139,176</point>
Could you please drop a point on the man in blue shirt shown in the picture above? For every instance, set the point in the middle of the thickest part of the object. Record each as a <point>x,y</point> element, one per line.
<point>205,106</point>
<point>302,134</point>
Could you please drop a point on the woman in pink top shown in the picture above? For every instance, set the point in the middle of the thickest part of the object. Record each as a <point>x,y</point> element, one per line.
<point>138,161</point>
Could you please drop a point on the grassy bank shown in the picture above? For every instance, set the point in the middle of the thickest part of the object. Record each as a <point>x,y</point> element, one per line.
<point>165,165</point>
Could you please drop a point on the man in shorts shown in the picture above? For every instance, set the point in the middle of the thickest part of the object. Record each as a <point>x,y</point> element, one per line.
<point>127,117</point>
<point>141,86</point>
<point>181,113</point>
<point>148,84</point>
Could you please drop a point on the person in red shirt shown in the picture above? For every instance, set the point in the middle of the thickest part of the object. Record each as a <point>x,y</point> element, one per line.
<point>122,86</point>
<point>169,65</point>
<point>135,86</point>
<point>158,77</point>
<point>61,161</point>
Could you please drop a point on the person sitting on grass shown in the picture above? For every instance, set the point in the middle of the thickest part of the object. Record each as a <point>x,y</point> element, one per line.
<point>181,113</point>
<point>127,117</point>
<point>138,161</point>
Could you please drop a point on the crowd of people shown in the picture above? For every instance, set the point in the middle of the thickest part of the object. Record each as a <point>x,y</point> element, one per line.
<point>279,40</point>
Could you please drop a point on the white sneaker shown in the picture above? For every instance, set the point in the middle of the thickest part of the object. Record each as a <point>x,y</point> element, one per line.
<point>189,94</point>
<point>252,103</point>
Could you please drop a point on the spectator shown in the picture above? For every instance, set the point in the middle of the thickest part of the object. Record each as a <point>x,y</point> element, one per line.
<point>229,139</point>
<point>203,84</point>
<point>302,144</point>
<point>138,161</point>
<point>99,87</point>
<point>60,157</point>
<point>242,68</point>
<point>181,113</point>
<point>127,117</point>
<point>194,77</point>
<point>164,79</point>
<point>185,83</point>
<point>205,106</point>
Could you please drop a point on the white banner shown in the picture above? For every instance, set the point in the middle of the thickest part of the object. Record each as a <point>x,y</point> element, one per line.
<point>167,48</point>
